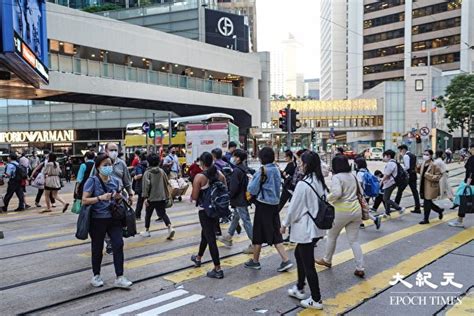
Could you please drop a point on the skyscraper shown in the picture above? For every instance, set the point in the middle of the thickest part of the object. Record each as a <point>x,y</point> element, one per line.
<point>395,35</point>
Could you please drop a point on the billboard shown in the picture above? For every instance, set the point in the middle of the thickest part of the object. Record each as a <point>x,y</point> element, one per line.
<point>24,42</point>
<point>227,30</point>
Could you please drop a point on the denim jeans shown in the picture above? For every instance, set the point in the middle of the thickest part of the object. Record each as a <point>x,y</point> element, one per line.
<point>241,212</point>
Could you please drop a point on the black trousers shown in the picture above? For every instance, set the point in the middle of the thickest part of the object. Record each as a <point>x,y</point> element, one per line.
<point>40,194</point>
<point>414,191</point>
<point>208,237</point>
<point>304,254</point>
<point>159,206</point>
<point>285,197</point>
<point>138,209</point>
<point>98,228</point>
<point>14,188</point>
<point>429,205</point>
<point>377,201</point>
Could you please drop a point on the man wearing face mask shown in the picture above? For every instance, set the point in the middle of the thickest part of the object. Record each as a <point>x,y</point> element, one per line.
<point>172,163</point>
<point>238,201</point>
<point>120,173</point>
<point>388,182</point>
<point>409,164</point>
<point>429,186</point>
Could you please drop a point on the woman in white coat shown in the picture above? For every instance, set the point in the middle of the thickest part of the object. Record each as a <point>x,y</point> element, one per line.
<point>444,188</point>
<point>304,231</point>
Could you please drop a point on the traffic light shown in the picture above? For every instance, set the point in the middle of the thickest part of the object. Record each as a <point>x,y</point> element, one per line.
<point>313,136</point>
<point>174,129</point>
<point>295,123</point>
<point>152,130</point>
<point>283,123</point>
<point>418,138</point>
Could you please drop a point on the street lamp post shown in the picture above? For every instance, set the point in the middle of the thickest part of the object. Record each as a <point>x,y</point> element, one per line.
<point>235,41</point>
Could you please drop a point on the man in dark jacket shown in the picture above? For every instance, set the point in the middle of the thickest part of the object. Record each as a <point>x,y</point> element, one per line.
<point>238,199</point>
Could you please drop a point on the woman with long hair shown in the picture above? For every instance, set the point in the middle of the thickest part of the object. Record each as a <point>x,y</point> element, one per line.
<point>303,207</point>
<point>203,182</point>
<point>343,196</point>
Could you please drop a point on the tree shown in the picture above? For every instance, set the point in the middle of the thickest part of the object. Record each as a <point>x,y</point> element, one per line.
<point>458,103</point>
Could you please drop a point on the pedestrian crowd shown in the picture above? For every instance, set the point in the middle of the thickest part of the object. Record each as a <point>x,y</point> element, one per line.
<point>225,188</point>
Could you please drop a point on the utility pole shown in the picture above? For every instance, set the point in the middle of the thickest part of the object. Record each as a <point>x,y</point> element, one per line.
<point>154,134</point>
<point>170,130</point>
<point>288,118</point>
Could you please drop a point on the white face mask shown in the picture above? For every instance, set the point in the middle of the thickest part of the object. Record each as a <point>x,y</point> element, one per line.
<point>113,155</point>
<point>426,157</point>
<point>233,161</point>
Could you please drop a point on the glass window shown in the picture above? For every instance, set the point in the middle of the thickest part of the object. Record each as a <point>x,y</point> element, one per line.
<point>386,51</point>
<point>382,5</point>
<point>436,26</point>
<point>437,42</point>
<point>383,67</point>
<point>388,19</point>
<point>437,8</point>
<point>384,36</point>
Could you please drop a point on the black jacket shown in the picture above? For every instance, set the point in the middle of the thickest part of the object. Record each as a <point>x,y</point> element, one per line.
<point>469,168</point>
<point>238,186</point>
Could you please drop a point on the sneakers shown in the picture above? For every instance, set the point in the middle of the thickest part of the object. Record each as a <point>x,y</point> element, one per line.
<point>401,210</point>
<point>310,303</point>
<point>359,273</point>
<point>248,250</point>
<point>362,226</point>
<point>441,214</point>
<point>416,211</point>
<point>145,234</point>
<point>38,205</point>
<point>322,262</point>
<point>386,215</point>
<point>456,224</point>
<point>27,206</point>
<point>226,240</point>
<point>285,266</point>
<point>378,222</point>
<point>253,265</point>
<point>97,281</point>
<point>214,274</point>
<point>197,263</point>
<point>294,292</point>
<point>424,222</point>
<point>122,282</point>
<point>171,233</point>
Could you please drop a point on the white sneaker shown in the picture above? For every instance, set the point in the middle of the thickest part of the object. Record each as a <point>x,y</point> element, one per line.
<point>145,234</point>
<point>402,210</point>
<point>122,282</point>
<point>294,292</point>
<point>226,240</point>
<point>97,281</point>
<point>456,224</point>
<point>171,233</point>
<point>310,303</point>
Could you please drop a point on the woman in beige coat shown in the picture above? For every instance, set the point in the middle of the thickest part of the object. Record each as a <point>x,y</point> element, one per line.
<point>429,186</point>
<point>445,190</point>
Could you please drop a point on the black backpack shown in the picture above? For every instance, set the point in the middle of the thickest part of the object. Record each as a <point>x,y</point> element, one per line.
<point>20,173</point>
<point>401,179</point>
<point>326,212</point>
<point>216,200</point>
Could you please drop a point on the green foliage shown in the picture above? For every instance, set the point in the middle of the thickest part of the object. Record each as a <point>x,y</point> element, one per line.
<point>458,101</point>
<point>100,8</point>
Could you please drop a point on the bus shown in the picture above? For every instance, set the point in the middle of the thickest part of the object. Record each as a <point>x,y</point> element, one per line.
<point>135,138</point>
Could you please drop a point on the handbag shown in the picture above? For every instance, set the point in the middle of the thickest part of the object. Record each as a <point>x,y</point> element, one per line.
<point>467,202</point>
<point>76,206</point>
<point>130,227</point>
<point>326,212</point>
<point>38,182</point>
<point>116,208</point>
<point>83,222</point>
<point>363,202</point>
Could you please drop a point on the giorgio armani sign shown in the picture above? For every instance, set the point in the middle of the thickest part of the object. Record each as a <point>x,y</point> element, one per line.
<point>227,30</point>
<point>37,136</point>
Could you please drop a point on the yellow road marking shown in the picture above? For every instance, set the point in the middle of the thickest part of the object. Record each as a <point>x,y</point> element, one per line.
<point>465,308</point>
<point>367,288</point>
<point>50,234</point>
<point>169,255</point>
<point>66,243</point>
<point>273,283</point>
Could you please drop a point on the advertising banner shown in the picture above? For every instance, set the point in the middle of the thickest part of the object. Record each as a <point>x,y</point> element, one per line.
<point>227,30</point>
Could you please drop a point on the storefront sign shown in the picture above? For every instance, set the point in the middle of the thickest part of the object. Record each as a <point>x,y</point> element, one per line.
<point>227,30</point>
<point>37,136</point>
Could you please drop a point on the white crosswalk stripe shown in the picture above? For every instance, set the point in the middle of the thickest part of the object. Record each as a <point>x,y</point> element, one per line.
<point>146,303</point>
<point>165,308</point>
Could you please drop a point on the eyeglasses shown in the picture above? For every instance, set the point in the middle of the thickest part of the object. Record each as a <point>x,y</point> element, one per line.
<point>113,149</point>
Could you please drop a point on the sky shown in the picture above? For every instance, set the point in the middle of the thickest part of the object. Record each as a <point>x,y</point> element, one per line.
<point>277,18</point>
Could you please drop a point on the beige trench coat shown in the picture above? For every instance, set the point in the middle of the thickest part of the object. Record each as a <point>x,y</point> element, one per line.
<point>429,184</point>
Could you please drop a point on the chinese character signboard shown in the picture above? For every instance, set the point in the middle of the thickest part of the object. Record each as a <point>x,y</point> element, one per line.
<point>24,42</point>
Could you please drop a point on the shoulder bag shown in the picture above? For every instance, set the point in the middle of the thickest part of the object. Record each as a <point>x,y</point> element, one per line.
<point>363,202</point>
<point>326,212</point>
<point>117,209</point>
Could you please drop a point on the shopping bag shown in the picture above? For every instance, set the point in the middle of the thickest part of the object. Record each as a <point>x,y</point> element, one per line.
<point>467,202</point>
<point>460,192</point>
<point>39,181</point>
<point>130,227</point>
<point>76,206</point>
<point>83,222</point>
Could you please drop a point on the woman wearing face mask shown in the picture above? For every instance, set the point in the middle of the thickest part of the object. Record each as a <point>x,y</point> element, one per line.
<point>304,232</point>
<point>102,222</point>
<point>429,186</point>
<point>52,183</point>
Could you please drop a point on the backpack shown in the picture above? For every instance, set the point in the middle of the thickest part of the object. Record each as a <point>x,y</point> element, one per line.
<point>215,199</point>
<point>252,199</point>
<point>326,212</point>
<point>371,184</point>
<point>226,170</point>
<point>402,177</point>
<point>20,173</point>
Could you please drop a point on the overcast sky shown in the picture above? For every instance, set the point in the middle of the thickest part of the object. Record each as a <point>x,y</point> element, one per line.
<point>277,18</point>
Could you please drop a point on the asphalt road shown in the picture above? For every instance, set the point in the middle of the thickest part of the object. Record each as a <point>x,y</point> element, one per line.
<point>45,270</point>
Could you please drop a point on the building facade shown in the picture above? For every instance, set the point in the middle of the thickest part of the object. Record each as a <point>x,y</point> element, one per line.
<point>387,37</point>
<point>312,88</point>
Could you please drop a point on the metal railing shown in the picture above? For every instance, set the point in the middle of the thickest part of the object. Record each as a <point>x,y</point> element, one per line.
<point>92,68</point>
